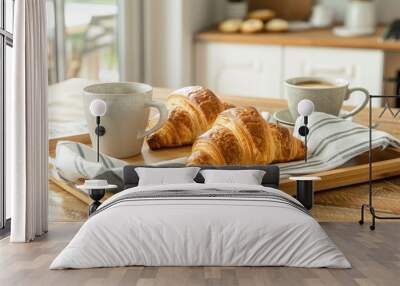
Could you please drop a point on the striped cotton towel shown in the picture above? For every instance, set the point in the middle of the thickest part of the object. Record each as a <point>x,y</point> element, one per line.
<point>75,161</point>
<point>332,142</point>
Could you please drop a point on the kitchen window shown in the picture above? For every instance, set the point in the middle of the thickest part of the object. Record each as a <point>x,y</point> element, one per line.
<point>82,39</point>
<point>82,43</point>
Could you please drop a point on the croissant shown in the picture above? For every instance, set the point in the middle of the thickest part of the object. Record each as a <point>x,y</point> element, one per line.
<point>240,136</point>
<point>193,110</point>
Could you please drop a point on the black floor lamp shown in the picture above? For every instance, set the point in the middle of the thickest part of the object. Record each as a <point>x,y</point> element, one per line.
<point>98,108</point>
<point>369,206</point>
<point>305,184</point>
<point>305,109</point>
<point>97,188</point>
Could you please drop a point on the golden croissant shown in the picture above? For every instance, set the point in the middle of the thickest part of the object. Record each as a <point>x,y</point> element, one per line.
<point>193,110</point>
<point>240,136</point>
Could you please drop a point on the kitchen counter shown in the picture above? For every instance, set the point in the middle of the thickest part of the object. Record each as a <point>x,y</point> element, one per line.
<point>310,38</point>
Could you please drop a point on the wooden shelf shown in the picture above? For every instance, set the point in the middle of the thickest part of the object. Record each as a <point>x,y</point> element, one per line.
<point>310,38</point>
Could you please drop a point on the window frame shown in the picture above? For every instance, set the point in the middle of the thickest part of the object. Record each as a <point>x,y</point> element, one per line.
<point>6,39</point>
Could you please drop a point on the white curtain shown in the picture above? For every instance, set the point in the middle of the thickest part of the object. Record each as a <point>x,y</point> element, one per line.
<point>26,123</point>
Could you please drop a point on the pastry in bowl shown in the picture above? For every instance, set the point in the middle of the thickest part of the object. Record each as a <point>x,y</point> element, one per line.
<point>277,25</point>
<point>230,26</point>
<point>252,26</point>
<point>262,14</point>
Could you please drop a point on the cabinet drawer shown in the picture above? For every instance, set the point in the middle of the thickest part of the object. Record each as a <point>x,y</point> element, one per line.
<point>236,69</point>
<point>362,68</point>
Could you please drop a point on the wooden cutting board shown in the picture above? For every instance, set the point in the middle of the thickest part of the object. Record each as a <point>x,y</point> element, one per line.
<point>286,9</point>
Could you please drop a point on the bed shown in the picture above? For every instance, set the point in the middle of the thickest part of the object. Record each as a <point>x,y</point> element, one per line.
<point>201,224</point>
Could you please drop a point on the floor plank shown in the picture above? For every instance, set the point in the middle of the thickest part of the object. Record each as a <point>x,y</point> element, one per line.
<point>375,257</point>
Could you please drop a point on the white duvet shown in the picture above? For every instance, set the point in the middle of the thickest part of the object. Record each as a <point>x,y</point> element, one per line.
<point>200,231</point>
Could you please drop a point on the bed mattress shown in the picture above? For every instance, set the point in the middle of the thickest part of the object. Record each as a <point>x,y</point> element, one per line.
<point>201,225</point>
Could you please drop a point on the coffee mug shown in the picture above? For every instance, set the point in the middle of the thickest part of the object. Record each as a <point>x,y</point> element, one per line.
<point>327,95</point>
<point>126,118</point>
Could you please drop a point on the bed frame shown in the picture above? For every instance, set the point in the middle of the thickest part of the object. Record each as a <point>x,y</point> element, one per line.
<point>131,178</point>
<point>271,177</point>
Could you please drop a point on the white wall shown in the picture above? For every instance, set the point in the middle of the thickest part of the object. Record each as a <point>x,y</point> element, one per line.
<point>387,10</point>
<point>200,15</point>
<point>162,42</point>
<point>130,41</point>
<point>169,27</point>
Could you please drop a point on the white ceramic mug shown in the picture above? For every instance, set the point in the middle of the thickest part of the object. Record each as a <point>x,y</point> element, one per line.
<point>126,118</point>
<point>328,99</point>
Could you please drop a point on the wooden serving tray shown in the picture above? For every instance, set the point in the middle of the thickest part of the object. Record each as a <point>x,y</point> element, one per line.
<point>386,163</point>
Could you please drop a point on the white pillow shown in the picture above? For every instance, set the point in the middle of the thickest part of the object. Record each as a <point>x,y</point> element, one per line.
<point>248,177</point>
<point>166,176</point>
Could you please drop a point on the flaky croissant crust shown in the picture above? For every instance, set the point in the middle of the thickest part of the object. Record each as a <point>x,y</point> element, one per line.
<point>193,110</point>
<point>240,136</point>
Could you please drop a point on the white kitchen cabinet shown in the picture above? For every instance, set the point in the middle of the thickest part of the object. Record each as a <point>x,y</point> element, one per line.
<point>260,70</point>
<point>238,69</point>
<point>361,67</point>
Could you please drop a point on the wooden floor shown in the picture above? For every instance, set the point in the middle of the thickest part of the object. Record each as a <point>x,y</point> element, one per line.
<point>375,257</point>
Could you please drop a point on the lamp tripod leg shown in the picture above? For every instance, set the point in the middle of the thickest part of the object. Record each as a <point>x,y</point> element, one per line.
<point>98,143</point>
<point>98,138</point>
<point>305,148</point>
<point>361,221</point>
<point>372,210</point>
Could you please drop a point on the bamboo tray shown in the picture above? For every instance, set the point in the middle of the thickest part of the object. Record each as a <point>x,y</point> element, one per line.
<point>386,163</point>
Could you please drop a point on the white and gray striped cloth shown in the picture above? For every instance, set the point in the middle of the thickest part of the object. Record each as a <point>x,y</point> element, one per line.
<point>331,143</point>
<point>74,161</point>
